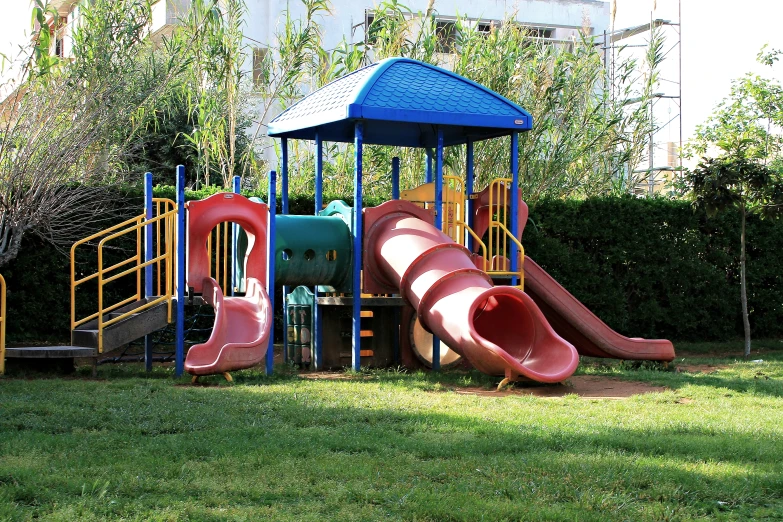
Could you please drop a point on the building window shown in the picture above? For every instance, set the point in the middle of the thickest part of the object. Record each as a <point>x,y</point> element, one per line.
<point>539,32</point>
<point>59,37</point>
<point>260,66</point>
<point>446,31</point>
<point>369,18</point>
<point>484,27</point>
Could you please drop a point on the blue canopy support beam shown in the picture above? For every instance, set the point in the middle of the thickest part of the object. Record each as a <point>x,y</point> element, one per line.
<point>356,337</point>
<point>270,275</point>
<point>428,158</point>
<point>395,177</point>
<point>469,180</point>
<point>514,205</point>
<point>284,210</point>
<point>236,188</point>
<point>179,329</point>
<point>439,226</point>
<point>319,203</point>
<point>148,256</point>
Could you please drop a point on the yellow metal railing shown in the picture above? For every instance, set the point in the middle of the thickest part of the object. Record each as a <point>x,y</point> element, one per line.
<point>218,246</point>
<point>499,234</point>
<point>454,225</point>
<point>2,324</point>
<point>454,208</point>
<point>164,240</point>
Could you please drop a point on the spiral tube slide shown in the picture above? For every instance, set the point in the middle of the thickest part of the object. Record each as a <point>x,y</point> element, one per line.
<point>499,330</point>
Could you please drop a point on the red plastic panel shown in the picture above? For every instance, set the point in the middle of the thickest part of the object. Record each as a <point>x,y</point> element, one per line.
<point>204,215</point>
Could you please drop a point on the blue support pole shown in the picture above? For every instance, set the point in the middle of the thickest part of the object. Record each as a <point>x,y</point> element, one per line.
<point>317,351</point>
<point>148,256</point>
<point>319,174</point>
<point>469,179</point>
<point>236,186</point>
<point>514,204</point>
<point>439,226</point>
<point>356,339</point>
<point>179,343</point>
<point>428,153</point>
<point>284,195</point>
<point>395,178</point>
<point>270,270</point>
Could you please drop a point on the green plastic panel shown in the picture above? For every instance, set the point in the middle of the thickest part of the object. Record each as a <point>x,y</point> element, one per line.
<point>312,250</point>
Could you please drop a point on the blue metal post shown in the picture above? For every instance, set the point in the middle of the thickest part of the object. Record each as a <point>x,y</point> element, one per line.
<point>469,177</point>
<point>319,174</point>
<point>148,256</point>
<point>395,177</point>
<point>317,351</point>
<point>428,153</point>
<point>179,343</point>
<point>270,269</point>
<point>284,195</point>
<point>439,226</point>
<point>237,188</point>
<point>356,339</point>
<point>514,204</point>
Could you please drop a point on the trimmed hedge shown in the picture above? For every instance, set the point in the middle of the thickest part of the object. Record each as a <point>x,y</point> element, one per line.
<point>647,267</point>
<point>655,268</point>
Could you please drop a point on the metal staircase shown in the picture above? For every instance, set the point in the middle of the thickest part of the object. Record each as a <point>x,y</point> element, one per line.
<point>151,236</point>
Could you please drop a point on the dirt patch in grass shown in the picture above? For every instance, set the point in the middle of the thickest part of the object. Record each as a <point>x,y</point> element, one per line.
<point>585,386</point>
<point>701,368</point>
<point>334,376</point>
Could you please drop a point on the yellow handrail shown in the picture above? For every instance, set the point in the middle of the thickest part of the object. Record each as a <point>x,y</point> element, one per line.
<point>2,324</point>
<point>454,225</point>
<point>221,254</point>
<point>453,207</point>
<point>498,230</point>
<point>163,227</point>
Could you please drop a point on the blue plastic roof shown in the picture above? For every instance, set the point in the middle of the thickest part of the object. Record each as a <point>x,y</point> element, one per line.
<point>402,102</point>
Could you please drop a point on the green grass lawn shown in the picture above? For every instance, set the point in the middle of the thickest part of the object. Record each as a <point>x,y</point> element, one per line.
<point>394,446</point>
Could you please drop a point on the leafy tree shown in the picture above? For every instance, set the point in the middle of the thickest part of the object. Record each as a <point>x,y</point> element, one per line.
<point>751,118</point>
<point>739,181</point>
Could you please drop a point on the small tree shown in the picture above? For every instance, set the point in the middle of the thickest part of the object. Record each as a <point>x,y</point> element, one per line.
<point>733,181</point>
<point>69,128</point>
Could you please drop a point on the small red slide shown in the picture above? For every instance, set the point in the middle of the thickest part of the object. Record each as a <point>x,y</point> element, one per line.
<point>241,333</point>
<point>582,328</point>
<point>240,336</point>
<point>500,330</point>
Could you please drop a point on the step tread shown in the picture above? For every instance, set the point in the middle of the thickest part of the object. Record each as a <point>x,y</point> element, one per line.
<point>49,352</point>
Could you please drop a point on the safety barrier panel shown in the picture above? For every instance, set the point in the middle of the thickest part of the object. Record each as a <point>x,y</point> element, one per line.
<point>163,223</point>
<point>500,236</point>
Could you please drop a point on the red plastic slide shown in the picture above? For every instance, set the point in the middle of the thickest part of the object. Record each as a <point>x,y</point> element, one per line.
<point>499,330</point>
<point>241,333</point>
<point>240,336</point>
<point>579,326</point>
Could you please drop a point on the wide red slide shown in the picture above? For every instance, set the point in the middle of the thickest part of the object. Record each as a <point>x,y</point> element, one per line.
<point>500,330</point>
<point>240,337</point>
<point>582,328</point>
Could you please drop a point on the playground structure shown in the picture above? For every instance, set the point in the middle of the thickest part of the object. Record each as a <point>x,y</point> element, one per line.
<point>415,265</point>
